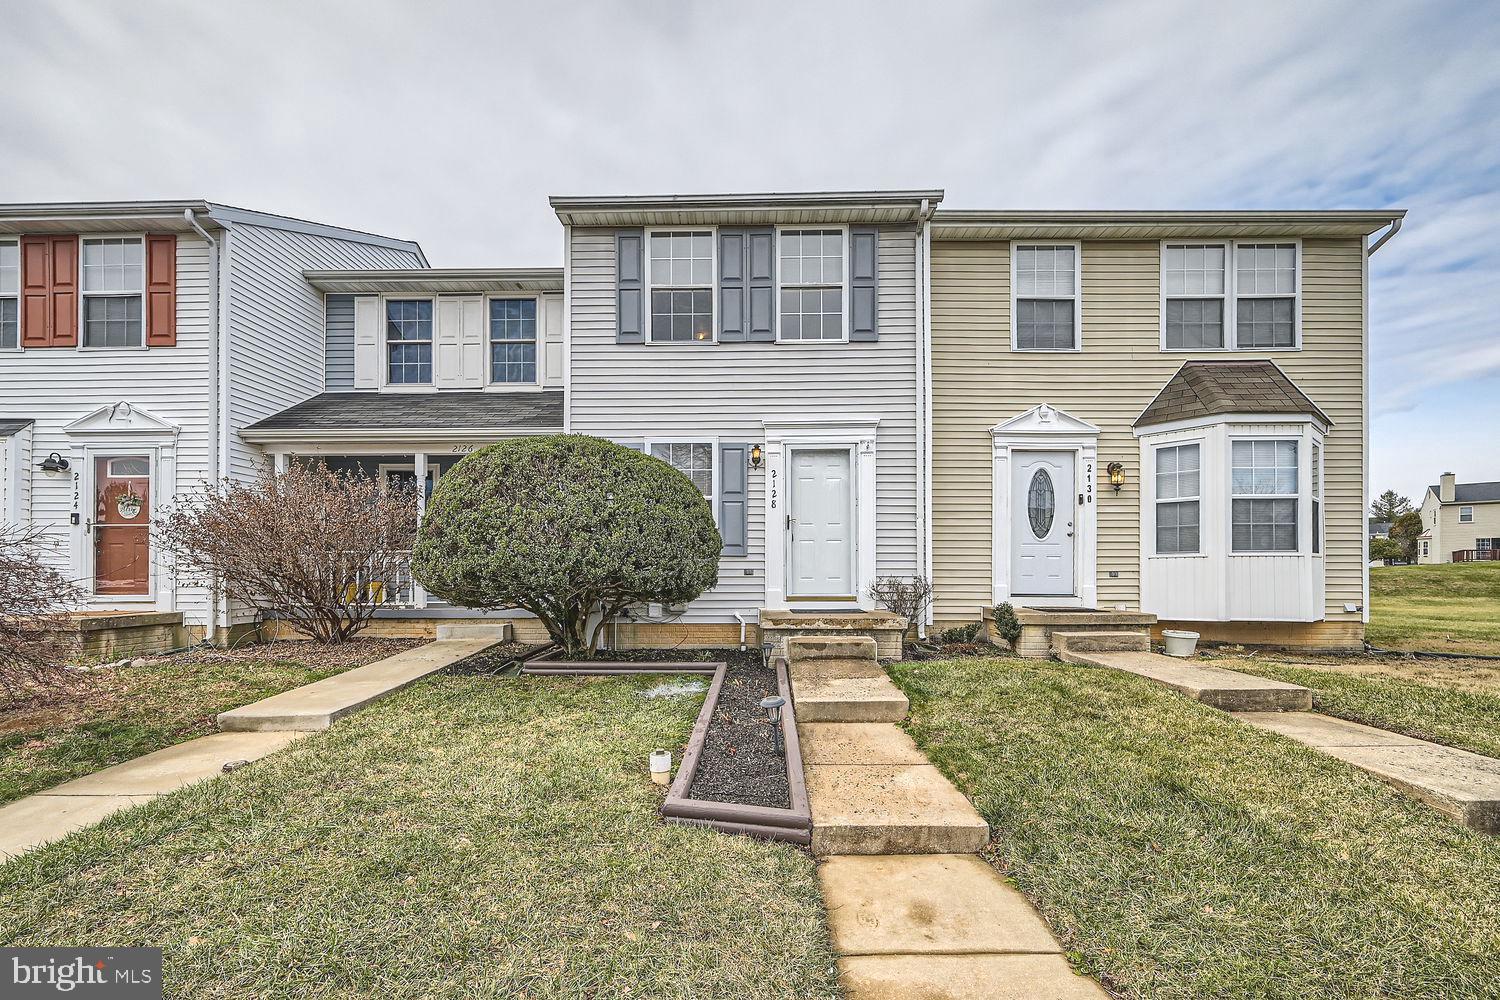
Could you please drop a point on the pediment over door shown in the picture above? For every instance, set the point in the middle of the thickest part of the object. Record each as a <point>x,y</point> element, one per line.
<point>1043,419</point>
<point>122,418</point>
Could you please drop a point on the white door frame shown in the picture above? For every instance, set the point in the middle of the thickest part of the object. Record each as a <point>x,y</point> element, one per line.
<point>1046,428</point>
<point>782,438</point>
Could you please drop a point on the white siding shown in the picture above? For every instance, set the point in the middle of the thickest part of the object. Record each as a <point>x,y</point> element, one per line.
<point>698,391</point>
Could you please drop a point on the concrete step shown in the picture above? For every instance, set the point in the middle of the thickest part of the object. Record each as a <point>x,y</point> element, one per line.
<point>318,705</point>
<point>1102,641</point>
<point>964,977</point>
<point>493,631</point>
<point>1462,785</point>
<point>890,809</point>
<point>1213,686</point>
<point>823,647</point>
<point>848,699</point>
<point>857,743</point>
<point>830,668</point>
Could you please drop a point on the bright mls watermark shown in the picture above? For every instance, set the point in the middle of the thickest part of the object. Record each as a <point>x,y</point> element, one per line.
<point>114,973</point>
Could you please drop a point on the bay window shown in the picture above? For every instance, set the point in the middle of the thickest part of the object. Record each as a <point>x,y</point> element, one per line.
<point>680,269</point>
<point>1230,296</point>
<point>1178,492</point>
<point>513,341</point>
<point>812,284</point>
<point>1317,499</point>
<point>408,335</point>
<point>113,288</point>
<point>1263,491</point>
<point>1045,306</point>
<point>10,292</point>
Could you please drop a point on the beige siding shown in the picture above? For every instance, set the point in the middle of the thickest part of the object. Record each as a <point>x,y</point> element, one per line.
<point>978,382</point>
<point>1449,533</point>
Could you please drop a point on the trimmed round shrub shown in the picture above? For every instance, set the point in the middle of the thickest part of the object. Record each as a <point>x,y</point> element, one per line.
<point>573,529</point>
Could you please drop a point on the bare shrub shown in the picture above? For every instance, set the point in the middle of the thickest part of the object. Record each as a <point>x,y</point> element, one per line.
<point>907,597</point>
<point>36,637</point>
<point>316,549</point>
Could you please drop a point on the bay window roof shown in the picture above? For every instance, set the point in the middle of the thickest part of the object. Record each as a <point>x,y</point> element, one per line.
<point>1212,388</point>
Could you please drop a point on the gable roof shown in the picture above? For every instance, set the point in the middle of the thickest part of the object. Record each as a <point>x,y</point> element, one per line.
<point>794,207</point>
<point>1212,388</point>
<point>14,425</point>
<point>373,415</point>
<point>1471,493</point>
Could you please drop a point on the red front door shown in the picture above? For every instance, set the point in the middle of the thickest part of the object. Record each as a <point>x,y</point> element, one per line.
<point>122,524</point>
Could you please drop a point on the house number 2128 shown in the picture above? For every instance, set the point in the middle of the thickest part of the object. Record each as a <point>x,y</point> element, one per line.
<point>773,489</point>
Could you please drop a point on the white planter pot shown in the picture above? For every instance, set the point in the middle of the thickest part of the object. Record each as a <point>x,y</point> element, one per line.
<point>1179,643</point>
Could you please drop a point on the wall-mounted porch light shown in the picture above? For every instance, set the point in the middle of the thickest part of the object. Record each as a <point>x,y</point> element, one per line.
<point>54,463</point>
<point>1116,475</point>
<point>756,456</point>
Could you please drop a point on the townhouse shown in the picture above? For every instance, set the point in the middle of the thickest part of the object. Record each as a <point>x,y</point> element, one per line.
<point>1160,414</point>
<point>1460,522</point>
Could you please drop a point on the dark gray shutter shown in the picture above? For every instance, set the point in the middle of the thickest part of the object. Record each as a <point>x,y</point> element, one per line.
<point>734,499</point>
<point>864,282</point>
<point>630,248</point>
<point>732,308</point>
<point>760,270</point>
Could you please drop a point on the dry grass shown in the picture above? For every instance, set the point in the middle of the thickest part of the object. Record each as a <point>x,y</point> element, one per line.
<point>1453,608</point>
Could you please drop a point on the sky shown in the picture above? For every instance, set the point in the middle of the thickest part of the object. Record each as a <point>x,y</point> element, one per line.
<point>452,122</point>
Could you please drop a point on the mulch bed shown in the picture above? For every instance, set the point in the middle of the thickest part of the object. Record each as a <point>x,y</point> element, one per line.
<point>739,762</point>
<point>494,660</point>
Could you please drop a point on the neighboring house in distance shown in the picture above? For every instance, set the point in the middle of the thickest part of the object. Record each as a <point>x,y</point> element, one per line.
<point>1460,521</point>
<point>1379,529</point>
<point>137,341</point>
<point>1214,360</point>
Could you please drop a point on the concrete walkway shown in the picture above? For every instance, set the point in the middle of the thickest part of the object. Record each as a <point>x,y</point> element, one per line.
<point>1216,687</point>
<point>1462,785</point>
<point>912,910</point>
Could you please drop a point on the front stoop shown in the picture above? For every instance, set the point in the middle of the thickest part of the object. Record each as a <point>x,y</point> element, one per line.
<point>1461,785</point>
<point>1100,642</point>
<point>1213,686</point>
<point>1042,630</point>
<point>839,680</point>
<point>886,630</point>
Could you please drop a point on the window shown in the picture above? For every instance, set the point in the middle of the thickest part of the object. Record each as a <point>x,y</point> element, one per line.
<point>1178,490</point>
<point>114,278</point>
<point>682,294</point>
<point>1317,499</point>
<point>1263,487</point>
<point>1425,550</point>
<point>1045,301</point>
<point>408,339</point>
<point>812,284</point>
<point>1484,545</point>
<point>513,341</point>
<point>694,459</point>
<point>1193,283</point>
<point>1265,288</point>
<point>1465,515</point>
<point>10,292</point>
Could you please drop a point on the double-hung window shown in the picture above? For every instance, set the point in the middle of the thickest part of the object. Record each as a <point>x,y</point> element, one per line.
<point>10,293</point>
<point>694,459</point>
<point>812,284</point>
<point>681,273</point>
<point>1317,499</point>
<point>1263,488</point>
<point>1193,285</point>
<point>513,341</point>
<point>408,341</point>
<point>1465,515</point>
<point>1178,492</point>
<point>1239,296</point>
<point>1484,546</point>
<point>114,279</point>
<point>1045,301</point>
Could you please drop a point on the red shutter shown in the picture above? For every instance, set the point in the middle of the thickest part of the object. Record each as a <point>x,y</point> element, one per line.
<point>161,291</point>
<point>64,291</point>
<point>36,291</point>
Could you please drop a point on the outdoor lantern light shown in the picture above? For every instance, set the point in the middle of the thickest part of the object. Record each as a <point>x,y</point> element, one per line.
<point>54,463</point>
<point>756,455</point>
<point>772,705</point>
<point>661,766</point>
<point>1116,475</point>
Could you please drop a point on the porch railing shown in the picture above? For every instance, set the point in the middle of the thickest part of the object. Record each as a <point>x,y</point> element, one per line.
<point>391,586</point>
<point>1476,555</point>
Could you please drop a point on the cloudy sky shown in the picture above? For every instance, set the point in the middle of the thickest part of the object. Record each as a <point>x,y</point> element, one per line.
<point>451,122</point>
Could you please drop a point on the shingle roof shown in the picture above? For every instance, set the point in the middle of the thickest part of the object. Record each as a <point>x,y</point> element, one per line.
<point>1210,388</point>
<point>364,412</point>
<point>1380,527</point>
<point>1472,492</point>
<point>13,425</point>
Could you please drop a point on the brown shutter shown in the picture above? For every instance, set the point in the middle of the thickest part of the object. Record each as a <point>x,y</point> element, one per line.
<point>64,291</point>
<point>161,291</point>
<point>36,291</point>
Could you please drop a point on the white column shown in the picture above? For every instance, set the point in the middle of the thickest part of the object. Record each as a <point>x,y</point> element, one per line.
<point>280,459</point>
<point>419,466</point>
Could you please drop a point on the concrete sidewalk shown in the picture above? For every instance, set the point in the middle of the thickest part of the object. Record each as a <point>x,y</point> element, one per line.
<point>1227,690</point>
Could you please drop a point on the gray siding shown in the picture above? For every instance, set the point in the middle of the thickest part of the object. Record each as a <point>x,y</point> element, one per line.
<point>632,392</point>
<point>338,370</point>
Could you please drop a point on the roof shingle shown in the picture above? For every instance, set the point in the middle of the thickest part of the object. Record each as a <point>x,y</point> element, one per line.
<point>1211,388</point>
<point>365,412</point>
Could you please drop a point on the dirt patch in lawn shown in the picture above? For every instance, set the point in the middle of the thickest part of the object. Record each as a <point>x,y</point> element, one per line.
<point>1481,676</point>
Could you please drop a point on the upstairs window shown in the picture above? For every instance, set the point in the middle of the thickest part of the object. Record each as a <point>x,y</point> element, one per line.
<point>408,337</point>
<point>513,341</point>
<point>1265,288</point>
<point>114,279</point>
<point>1263,484</point>
<point>812,284</point>
<point>1193,282</point>
<point>1044,301</point>
<point>1465,515</point>
<point>1178,492</point>
<point>10,295</point>
<point>1235,296</point>
<point>681,273</point>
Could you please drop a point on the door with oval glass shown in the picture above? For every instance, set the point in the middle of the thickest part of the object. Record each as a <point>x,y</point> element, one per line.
<point>1043,514</point>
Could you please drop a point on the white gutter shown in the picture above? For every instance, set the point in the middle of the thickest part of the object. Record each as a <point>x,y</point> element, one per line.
<point>1395,228</point>
<point>924,390</point>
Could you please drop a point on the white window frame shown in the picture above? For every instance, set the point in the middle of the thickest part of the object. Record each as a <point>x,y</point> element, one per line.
<point>713,457</point>
<point>844,287</point>
<point>385,345</point>
<point>84,295</point>
<point>1315,497</point>
<point>15,242</point>
<point>1157,500</point>
<point>1466,515</point>
<point>1298,497</point>
<point>1077,296</point>
<point>1231,294</point>
<point>489,368</point>
<point>713,285</point>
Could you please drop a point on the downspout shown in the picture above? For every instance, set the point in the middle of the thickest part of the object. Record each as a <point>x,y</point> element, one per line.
<point>218,381</point>
<point>924,390</point>
<point>1386,238</point>
<point>741,619</point>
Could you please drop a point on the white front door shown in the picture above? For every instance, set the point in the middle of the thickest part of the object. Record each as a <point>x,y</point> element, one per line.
<point>820,525</point>
<point>1042,514</point>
